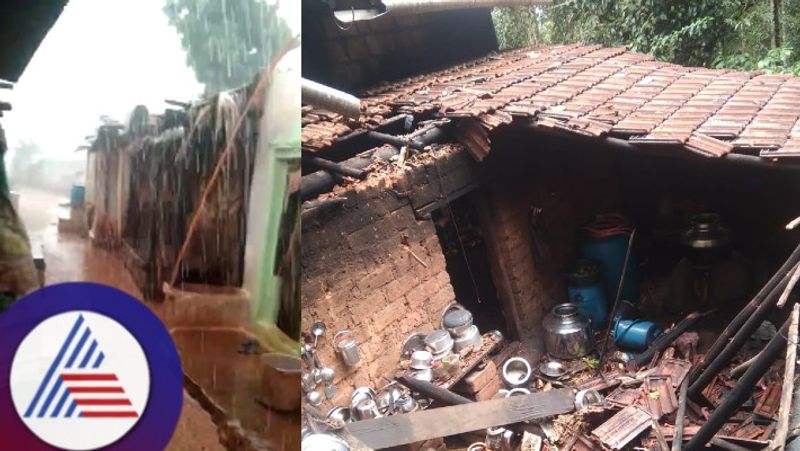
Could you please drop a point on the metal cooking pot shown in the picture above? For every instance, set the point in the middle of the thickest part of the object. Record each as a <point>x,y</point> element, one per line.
<point>439,342</point>
<point>347,347</point>
<point>421,360</point>
<point>360,394</point>
<point>367,410</point>
<point>423,375</point>
<point>469,341</point>
<point>457,321</point>
<point>519,391</point>
<point>406,404</point>
<point>516,372</point>
<point>340,414</point>
<point>324,442</point>
<point>567,333</point>
<point>707,239</point>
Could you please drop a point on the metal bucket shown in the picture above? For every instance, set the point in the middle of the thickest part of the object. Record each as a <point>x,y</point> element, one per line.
<point>346,347</point>
<point>568,334</point>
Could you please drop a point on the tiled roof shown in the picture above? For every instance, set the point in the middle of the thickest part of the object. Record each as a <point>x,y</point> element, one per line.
<point>596,92</point>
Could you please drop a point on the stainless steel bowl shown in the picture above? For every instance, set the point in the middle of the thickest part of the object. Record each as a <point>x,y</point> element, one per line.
<point>340,414</point>
<point>518,392</point>
<point>414,342</point>
<point>469,341</point>
<point>324,442</point>
<point>553,369</point>
<point>421,360</point>
<point>387,397</point>
<point>366,410</point>
<point>406,404</point>
<point>423,375</point>
<point>516,372</point>
<point>315,398</point>
<point>360,394</point>
<point>439,341</point>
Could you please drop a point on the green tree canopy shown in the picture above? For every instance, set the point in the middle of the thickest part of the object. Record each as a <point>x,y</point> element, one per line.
<point>738,34</point>
<point>227,42</point>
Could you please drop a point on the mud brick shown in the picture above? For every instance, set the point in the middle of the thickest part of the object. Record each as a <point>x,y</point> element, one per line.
<point>488,391</point>
<point>477,379</point>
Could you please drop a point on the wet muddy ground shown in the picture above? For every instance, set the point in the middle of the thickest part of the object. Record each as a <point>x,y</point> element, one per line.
<point>71,258</point>
<point>210,357</point>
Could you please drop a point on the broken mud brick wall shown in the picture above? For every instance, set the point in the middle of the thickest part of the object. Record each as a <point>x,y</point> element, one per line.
<point>571,186</point>
<point>360,271</point>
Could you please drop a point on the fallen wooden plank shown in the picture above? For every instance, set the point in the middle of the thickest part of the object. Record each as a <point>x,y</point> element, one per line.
<point>399,430</point>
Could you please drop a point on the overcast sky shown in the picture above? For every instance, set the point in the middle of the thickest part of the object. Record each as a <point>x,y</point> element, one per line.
<point>102,57</point>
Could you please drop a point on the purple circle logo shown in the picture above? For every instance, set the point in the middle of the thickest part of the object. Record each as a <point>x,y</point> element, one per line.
<point>87,367</point>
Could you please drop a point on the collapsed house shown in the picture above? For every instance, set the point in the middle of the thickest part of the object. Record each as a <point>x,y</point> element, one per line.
<point>612,225</point>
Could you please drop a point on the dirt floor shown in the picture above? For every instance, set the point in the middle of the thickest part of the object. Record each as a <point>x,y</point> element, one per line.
<point>69,259</point>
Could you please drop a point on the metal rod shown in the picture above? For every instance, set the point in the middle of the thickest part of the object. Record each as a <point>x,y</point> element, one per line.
<point>405,7</point>
<point>616,301</point>
<point>330,99</point>
<point>741,392</point>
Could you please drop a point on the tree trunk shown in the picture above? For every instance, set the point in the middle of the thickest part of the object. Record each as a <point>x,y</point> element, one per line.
<point>535,26</point>
<point>776,23</point>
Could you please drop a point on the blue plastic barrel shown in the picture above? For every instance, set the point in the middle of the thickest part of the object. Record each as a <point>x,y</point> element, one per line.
<point>586,290</point>
<point>77,196</point>
<point>635,334</point>
<point>610,252</point>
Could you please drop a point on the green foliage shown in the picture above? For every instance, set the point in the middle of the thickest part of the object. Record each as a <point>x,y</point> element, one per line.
<point>514,26</point>
<point>734,34</point>
<point>778,60</point>
<point>227,41</point>
<point>685,32</point>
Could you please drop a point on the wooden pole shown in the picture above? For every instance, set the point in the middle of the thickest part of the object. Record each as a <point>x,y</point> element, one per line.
<point>788,290</point>
<point>677,439</point>
<point>741,392</point>
<point>782,429</point>
<point>744,333</point>
<point>612,318</point>
<point>737,322</point>
<point>433,391</point>
<point>223,158</point>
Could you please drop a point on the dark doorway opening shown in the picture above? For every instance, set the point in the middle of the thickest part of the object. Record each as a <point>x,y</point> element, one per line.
<point>458,228</point>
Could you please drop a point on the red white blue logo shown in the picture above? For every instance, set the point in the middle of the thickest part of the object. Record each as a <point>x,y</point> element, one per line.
<point>87,374</point>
